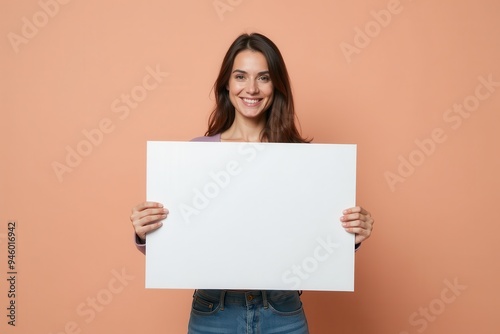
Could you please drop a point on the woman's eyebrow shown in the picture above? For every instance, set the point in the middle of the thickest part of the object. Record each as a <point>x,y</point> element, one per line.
<point>244,72</point>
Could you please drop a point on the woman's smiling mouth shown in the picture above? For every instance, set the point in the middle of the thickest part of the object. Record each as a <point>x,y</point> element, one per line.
<point>250,102</point>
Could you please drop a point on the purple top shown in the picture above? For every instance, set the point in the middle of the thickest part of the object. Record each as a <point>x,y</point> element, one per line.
<point>215,138</point>
<point>138,242</point>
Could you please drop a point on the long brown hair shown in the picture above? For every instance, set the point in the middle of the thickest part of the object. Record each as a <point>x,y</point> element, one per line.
<point>280,116</point>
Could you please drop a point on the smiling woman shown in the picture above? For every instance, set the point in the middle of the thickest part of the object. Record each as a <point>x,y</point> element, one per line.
<point>254,103</point>
<point>254,81</point>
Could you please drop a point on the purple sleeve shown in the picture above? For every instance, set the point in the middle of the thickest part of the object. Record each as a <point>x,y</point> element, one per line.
<point>215,138</point>
<point>141,246</point>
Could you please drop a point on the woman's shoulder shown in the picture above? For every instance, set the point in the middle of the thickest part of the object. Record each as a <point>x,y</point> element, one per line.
<point>214,138</point>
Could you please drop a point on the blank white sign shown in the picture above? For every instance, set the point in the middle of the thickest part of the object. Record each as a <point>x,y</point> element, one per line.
<point>261,216</point>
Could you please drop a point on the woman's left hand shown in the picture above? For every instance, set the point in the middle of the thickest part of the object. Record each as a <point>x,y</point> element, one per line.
<point>358,221</point>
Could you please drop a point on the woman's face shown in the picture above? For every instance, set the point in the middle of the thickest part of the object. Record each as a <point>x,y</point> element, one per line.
<point>250,88</point>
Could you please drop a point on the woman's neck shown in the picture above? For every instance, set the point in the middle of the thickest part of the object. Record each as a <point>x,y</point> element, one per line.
<point>244,130</point>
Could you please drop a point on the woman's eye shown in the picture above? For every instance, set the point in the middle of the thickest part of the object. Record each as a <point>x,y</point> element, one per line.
<point>239,77</point>
<point>265,78</point>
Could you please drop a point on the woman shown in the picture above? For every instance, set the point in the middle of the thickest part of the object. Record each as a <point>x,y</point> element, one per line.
<point>254,103</point>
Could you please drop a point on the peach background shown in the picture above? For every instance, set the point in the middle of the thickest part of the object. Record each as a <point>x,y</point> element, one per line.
<point>439,225</point>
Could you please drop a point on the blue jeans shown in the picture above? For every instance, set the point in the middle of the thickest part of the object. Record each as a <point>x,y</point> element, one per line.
<point>247,312</point>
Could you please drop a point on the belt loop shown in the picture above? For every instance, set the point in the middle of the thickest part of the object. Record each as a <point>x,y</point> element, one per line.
<point>222,297</point>
<point>264,299</point>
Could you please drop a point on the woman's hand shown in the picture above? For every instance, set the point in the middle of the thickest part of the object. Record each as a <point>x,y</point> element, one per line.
<point>145,218</point>
<point>358,221</point>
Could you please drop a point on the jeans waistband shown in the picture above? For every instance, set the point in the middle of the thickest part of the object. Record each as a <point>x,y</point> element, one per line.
<point>242,297</point>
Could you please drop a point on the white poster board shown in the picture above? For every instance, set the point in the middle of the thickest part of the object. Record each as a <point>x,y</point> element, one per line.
<point>261,216</point>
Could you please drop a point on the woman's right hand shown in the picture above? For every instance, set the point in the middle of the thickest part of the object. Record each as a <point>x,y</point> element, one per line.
<point>146,217</point>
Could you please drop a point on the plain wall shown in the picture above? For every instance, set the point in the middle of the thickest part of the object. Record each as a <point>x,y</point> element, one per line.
<point>404,80</point>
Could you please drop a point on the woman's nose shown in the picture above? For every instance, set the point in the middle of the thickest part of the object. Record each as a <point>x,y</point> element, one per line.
<point>252,87</point>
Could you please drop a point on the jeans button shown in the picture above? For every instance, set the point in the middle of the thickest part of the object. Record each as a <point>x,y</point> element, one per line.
<point>249,298</point>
